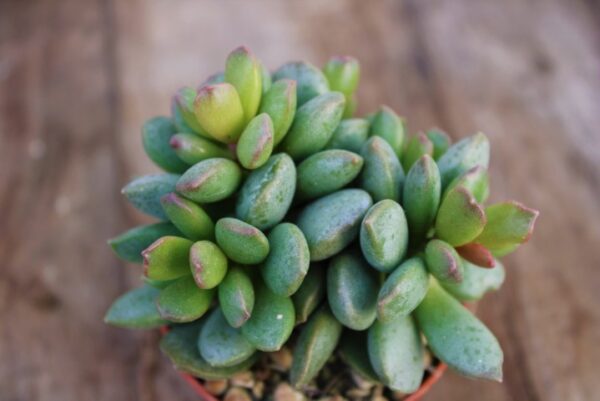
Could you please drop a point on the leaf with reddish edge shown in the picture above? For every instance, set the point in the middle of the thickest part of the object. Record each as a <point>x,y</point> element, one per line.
<point>509,225</point>
<point>460,218</point>
<point>477,254</point>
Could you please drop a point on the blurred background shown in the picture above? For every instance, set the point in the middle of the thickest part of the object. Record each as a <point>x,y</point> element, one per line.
<point>79,77</point>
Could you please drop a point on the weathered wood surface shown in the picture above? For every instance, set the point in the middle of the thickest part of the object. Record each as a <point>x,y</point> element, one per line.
<point>78,78</point>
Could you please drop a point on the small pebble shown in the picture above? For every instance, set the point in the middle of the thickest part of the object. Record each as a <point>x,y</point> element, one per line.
<point>258,391</point>
<point>216,387</point>
<point>361,382</point>
<point>282,359</point>
<point>243,379</point>
<point>285,392</point>
<point>358,393</point>
<point>237,394</point>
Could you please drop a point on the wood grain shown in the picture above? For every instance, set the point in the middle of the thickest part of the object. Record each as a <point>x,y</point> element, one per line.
<point>78,78</point>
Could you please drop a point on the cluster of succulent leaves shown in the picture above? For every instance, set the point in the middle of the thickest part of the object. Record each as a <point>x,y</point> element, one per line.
<point>280,213</point>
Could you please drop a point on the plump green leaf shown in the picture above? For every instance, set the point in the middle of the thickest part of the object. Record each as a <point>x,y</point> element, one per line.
<point>396,353</point>
<point>219,112</point>
<point>351,106</point>
<point>144,193</point>
<point>440,140</point>
<point>354,351</point>
<point>463,156</point>
<point>313,125</point>
<point>443,261</point>
<point>280,104</point>
<point>136,309</point>
<point>326,172</point>
<point>182,301</point>
<point>267,82</point>
<point>343,74</point>
<point>416,147</point>
<point>182,109</point>
<point>310,80</point>
<point>288,261</point>
<point>476,282</point>
<point>382,175</point>
<point>188,217</point>
<point>314,347</point>
<point>403,290</point>
<point>193,149</point>
<point>352,289</point>
<point>156,134</point>
<point>267,193</point>
<point>209,264</point>
<point>129,245</point>
<point>272,320</point>
<point>222,345</point>
<point>236,296</point>
<point>167,258</point>
<point>475,180</point>
<point>331,223</point>
<point>387,125</point>
<point>256,142</point>
<point>177,117</point>
<point>509,225</point>
<point>460,219</point>
<point>181,346</point>
<point>210,180</point>
<point>241,242</point>
<point>310,294</point>
<point>384,235</point>
<point>421,196</point>
<point>349,135</point>
<point>244,72</point>
<point>457,337</point>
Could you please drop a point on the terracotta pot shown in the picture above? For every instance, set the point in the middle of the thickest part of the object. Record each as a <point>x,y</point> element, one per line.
<point>204,395</point>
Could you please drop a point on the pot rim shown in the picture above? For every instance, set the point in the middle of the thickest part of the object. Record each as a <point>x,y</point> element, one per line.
<point>426,384</point>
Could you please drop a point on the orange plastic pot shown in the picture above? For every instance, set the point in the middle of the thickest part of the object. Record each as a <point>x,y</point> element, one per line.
<point>204,395</point>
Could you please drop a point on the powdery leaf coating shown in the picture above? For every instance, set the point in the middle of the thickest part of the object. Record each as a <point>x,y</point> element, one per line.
<point>457,337</point>
<point>272,320</point>
<point>236,296</point>
<point>343,74</point>
<point>310,294</point>
<point>222,345</point>
<point>129,245</point>
<point>326,172</point>
<point>460,219</point>
<point>387,125</point>
<point>421,196</point>
<point>476,181</point>
<point>181,346</point>
<point>403,290</point>
<point>219,112</point>
<point>188,217</point>
<point>280,104</point>
<point>167,258</point>
<point>396,353</point>
<point>382,175</point>
<point>256,142</point>
<point>144,193</point>
<point>443,261</point>
<point>463,156</point>
<point>244,72</point>
<point>310,80</point>
<point>287,263</point>
<point>384,235</point>
<point>313,125</point>
<point>267,193</point>
<point>440,140</point>
<point>241,242</point>
<point>352,291</point>
<point>136,309</point>
<point>333,222</point>
<point>182,110</point>
<point>315,345</point>
<point>182,301</point>
<point>349,135</point>
<point>210,180</point>
<point>477,281</point>
<point>417,146</point>
<point>156,135</point>
<point>209,264</point>
<point>193,149</point>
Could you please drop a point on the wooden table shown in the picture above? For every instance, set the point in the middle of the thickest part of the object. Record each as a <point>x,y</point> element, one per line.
<point>78,78</point>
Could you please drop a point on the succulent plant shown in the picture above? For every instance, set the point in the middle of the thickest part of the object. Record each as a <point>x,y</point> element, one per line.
<point>284,219</point>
